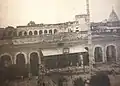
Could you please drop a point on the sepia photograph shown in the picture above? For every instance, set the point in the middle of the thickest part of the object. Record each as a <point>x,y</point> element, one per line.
<point>59,43</point>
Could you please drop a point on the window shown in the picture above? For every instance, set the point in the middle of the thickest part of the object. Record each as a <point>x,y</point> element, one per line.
<point>76,27</point>
<point>66,50</point>
<point>77,31</point>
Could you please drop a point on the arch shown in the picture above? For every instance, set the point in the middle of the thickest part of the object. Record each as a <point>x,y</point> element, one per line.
<point>20,33</point>
<point>21,64</point>
<point>111,53</point>
<point>98,54</point>
<point>5,60</point>
<point>35,32</point>
<point>34,63</point>
<point>30,33</point>
<point>37,54</point>
<point>45,31</point>
<point>55,31</point>
<point>20,59</point>
<point>50,31</point>
<point>25,33</point>
<point>25,56</point>
<point>40,32</point>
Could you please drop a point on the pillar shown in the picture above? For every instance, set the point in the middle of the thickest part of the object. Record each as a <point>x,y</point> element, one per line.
<point>103,54</point>
<point>28,66</point>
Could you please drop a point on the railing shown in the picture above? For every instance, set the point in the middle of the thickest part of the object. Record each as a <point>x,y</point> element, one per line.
<point>73,69</point>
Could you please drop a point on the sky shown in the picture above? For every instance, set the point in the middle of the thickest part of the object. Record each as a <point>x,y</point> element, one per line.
<point>20,12</point>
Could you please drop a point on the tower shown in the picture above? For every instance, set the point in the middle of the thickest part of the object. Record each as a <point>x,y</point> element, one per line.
<point>88,22</point>
<point>113,17</point>
<point>91,58</point>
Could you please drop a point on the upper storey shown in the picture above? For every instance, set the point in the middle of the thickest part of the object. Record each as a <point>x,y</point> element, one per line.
<point>33,29</point>
<point>63,31</point>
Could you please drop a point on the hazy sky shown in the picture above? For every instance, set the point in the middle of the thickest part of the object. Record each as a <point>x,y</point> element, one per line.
<point>20,12</point>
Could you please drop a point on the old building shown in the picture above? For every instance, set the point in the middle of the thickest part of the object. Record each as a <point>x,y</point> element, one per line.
<point>62,48</point>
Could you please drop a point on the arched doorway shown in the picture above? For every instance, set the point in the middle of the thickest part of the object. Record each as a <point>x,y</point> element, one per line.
<point>20,63</point>
<point>34,63</point>
<point>111,53</point>
<point>98,54</point>
<point>79,82</point>
<point>5,61</point>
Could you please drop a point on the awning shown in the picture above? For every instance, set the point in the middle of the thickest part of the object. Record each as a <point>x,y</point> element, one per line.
<point>50,52</point>
<point>77,49</point>
<point>59,51</point>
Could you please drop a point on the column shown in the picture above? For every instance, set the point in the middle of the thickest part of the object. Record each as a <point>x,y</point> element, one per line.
<point>103,54</point>
<point>28,66</point>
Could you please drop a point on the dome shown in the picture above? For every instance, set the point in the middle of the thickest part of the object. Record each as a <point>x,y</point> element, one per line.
<point>113,16</point>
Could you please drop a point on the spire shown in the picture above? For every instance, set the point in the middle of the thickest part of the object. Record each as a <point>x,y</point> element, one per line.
<point>113,16</point>
<point>112,8</point>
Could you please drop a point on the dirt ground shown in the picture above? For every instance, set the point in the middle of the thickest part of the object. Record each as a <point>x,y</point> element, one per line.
<point>114,80</point>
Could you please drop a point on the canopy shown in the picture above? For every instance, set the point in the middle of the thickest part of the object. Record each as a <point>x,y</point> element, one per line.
<point>59,51</point>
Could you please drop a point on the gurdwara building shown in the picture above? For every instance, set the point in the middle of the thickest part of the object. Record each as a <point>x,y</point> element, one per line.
<point>62,49</point>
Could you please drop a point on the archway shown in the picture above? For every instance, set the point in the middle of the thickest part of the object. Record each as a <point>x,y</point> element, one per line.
<point>55,31</point>
<point>45,32</point>
<point>20,63</point>
<point>98,54</point>
<point>40,32</point>
<point>35,33</point>
<point>79,82</point>
<point>30,33</point>
<point>34,63</point>
<point>50,31</point>
<point>111,53</point>
<point>5,61</point>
